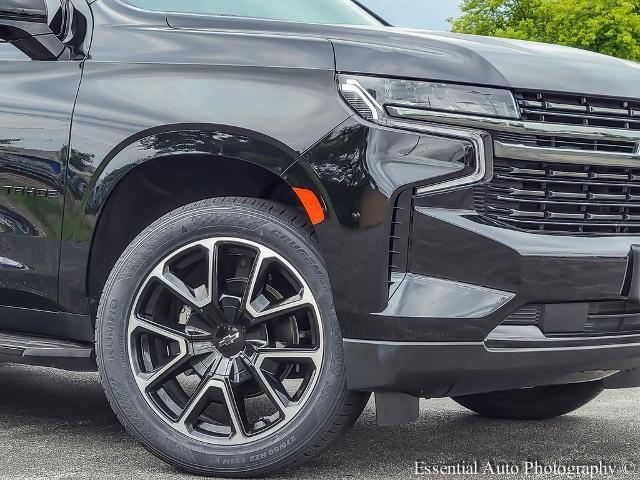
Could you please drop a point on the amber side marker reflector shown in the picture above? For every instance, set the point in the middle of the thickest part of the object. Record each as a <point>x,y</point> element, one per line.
<point>311,204</point>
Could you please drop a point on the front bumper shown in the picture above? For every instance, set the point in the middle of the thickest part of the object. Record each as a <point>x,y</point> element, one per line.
<point>443,333</point>
<point>465,276</point>
<point>510,358</point>
<point>443,369</point>
<point>454,275</point>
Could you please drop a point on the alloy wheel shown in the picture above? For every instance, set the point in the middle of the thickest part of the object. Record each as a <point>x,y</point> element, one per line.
<point>225,341</point>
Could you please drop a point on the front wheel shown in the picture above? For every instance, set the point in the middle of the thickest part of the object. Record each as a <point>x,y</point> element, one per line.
<point>535,403</point>
<point>218,344</point>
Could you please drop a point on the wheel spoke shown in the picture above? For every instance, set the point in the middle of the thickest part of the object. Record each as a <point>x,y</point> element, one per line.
<point>261,311</point>
<point>138,323</point>
<point>201,399</point>
<point>218,379</point>
<point>270,386</point>
<point>147,380</point>
<point>295,354</point>
<point>258,306</point>
<point>253,282</point>
<point>200,297</point>
<point>233,407</point>
<point>195,406</point>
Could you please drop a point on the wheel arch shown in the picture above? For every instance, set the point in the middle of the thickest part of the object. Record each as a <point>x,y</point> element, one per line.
<point>185,138</point>
<point>164,168</point>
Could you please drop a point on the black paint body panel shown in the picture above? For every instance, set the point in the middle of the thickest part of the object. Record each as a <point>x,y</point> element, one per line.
<point>362,169</point>
<point>470,59</point>
<point>134,89</point>
<point>36,103</point>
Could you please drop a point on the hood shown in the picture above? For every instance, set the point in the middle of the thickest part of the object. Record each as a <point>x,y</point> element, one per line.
<point>420,54</point>
<point>488,61</point>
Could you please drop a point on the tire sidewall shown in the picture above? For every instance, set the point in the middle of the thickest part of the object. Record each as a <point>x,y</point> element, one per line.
<point>180,228</point>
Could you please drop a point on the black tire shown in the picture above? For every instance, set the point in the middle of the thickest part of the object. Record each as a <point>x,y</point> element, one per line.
<point>330,410</point>
<point>536,403</point>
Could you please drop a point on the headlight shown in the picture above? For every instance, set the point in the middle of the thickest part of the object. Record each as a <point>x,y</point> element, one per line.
<point>391,102</point>
<point>370,97</point>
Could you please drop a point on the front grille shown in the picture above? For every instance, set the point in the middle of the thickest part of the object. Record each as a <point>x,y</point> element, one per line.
<point>612,318</point>
<point>579,110</point>
<point>561,197</point>
<point>592,319</point>
<point>568,143</point>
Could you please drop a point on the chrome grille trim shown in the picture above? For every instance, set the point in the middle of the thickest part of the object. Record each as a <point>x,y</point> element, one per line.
<point>585,110</point>
<point>564,155</point>
<point>568,143</point>
<point>516,126</point>
<point>537,115</point>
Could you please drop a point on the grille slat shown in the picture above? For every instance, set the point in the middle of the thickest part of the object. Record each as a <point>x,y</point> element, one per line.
<point>568,143</point>
<point>571,195</point>
<point>562,198</point>
<point>517,191</point>
<point>579,110</point>
<point>564,216</point>
<point>559,226</point>
<point>585,119</point>
<point>633,183</point>
<point>600,216</point>
<point>610,176</point>
<point>568,202</point>
<point>556,173</point>
<point>607,196</point>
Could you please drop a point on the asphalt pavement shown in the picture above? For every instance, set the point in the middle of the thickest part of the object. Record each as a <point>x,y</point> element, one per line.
<point>57,425</point>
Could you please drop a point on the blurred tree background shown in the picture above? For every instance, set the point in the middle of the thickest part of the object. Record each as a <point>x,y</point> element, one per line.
<point>611,27</point>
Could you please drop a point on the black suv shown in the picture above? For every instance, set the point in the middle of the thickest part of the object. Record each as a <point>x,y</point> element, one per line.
<point>250,214</point>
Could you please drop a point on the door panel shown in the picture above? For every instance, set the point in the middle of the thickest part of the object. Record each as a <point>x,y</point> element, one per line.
<point>36,104</point>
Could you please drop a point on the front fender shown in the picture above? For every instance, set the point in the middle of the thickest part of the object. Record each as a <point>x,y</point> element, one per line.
<point>177,140</point>
<point>88,191</point>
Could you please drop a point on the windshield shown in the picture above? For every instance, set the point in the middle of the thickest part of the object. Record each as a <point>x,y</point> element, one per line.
<point>345,12</point>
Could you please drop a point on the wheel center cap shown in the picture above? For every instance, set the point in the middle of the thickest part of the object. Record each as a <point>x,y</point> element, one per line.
<point>230,340</point>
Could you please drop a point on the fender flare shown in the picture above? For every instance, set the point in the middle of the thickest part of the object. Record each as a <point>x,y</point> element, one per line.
<point>179,139</point>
